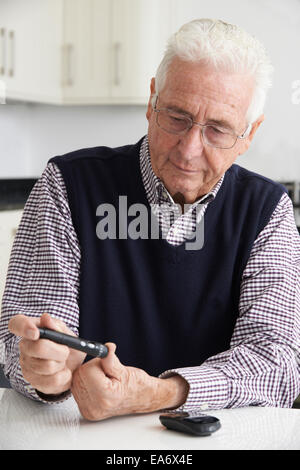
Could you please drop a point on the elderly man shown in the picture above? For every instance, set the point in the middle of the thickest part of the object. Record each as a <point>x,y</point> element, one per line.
<point>211,325</point>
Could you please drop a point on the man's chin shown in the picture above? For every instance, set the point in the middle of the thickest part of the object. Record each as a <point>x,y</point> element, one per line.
<point>184,195</point>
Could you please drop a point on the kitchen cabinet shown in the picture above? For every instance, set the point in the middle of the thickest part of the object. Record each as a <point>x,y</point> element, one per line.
<point>85,51</point>
<point>81,51</point>
<point>9,222</point>
<point>140,30</point>
<point>30,46</point>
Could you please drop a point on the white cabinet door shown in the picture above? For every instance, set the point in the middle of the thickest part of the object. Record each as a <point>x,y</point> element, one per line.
<point>139,32</point>
<point>9,222</point>
<point>86,59</point>
<point>31,44</point>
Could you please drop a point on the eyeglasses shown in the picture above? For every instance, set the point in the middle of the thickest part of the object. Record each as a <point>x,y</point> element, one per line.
<point>179,124</point>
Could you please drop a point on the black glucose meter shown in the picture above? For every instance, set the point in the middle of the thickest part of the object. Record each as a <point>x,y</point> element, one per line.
<point>198,424</point>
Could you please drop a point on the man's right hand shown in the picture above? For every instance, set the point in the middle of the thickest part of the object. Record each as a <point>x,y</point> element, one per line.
<point>47,366</point>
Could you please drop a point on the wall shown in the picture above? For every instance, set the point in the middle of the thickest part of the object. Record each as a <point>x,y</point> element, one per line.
<point>31,134</point>
<point>275,152</point>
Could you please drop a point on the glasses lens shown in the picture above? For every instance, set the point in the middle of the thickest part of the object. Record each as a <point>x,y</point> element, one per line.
<point>172,122</point>
<point>218,138</point>
<point>176,123</point>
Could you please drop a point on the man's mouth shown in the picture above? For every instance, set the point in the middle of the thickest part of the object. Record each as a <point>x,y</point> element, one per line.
<point>184,170</point>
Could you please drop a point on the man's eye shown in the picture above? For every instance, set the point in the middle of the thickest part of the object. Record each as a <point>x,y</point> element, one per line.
<point>216,130</point>
<point>177,119</point>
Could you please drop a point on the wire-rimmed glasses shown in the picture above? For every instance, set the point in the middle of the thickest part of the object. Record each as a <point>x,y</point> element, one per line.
<point>179,124</point>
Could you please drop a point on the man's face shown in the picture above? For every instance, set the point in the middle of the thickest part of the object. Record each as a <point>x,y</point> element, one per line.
<point>186,166</point>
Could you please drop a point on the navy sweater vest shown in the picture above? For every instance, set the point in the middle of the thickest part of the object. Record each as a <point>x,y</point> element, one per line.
<point>164,306</point>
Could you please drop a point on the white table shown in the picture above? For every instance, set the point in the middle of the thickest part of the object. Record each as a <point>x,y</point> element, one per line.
<point>29,425</point>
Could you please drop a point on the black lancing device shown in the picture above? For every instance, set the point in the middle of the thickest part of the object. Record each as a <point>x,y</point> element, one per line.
<point>92,348</point>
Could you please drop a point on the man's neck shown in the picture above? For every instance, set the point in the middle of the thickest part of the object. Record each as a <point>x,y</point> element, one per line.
<point>188,198</point>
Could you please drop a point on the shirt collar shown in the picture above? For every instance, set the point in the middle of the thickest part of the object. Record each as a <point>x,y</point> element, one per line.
<point>156,191</point>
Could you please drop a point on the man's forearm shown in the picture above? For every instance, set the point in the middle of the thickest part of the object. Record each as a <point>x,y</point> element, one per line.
<point>172,392</point>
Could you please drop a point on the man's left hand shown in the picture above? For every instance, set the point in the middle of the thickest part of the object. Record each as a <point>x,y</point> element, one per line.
<point>104,387</point>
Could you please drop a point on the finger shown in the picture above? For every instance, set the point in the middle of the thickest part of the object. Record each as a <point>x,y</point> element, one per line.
<point>55,324</point>
<point>22,325</point>
<point>111,364</point>
<point>25,326</point>
<point>40,366</point>
<point>50,384</point>
<point>44,349</point>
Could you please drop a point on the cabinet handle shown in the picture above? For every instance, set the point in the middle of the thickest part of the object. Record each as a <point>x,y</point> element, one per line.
<point>11,70</point>
<point>2,37</point>
<point>117,50</point>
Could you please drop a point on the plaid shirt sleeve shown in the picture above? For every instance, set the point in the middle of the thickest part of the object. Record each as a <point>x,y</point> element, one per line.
<point>43,272</point>
<point>262,365</point>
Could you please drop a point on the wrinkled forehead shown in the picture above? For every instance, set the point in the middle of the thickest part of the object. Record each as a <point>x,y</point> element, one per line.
<point>193,85</point>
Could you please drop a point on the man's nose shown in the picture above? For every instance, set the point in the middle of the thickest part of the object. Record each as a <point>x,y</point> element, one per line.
<point>191,143</point>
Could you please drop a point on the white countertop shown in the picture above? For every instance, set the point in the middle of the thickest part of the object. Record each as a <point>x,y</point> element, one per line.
<point>29,425</point>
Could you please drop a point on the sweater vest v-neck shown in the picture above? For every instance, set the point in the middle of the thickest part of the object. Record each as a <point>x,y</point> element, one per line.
<point>164,306</point>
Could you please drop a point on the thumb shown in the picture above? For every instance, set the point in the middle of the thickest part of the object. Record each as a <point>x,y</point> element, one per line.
<point>111,364</point>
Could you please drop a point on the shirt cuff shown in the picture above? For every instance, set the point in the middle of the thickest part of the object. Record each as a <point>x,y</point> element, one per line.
<point>209,387</point>
<point>53,398</point>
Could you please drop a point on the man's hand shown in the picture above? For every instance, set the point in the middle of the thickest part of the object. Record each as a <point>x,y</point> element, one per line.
<point>104,387</point>
<point>47,366</point>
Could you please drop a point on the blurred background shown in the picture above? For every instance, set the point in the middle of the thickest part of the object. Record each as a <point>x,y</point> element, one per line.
<point>76,73</point>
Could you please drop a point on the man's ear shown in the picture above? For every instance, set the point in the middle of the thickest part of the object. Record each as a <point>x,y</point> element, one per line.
<point>255,126</point>
<point>152,92</point>
<point>245,143</point>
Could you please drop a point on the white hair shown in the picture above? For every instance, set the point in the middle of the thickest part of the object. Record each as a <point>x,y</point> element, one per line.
<point>225,47</point>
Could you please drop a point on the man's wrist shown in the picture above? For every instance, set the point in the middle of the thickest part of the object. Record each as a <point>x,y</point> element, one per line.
<point>174,392</point>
